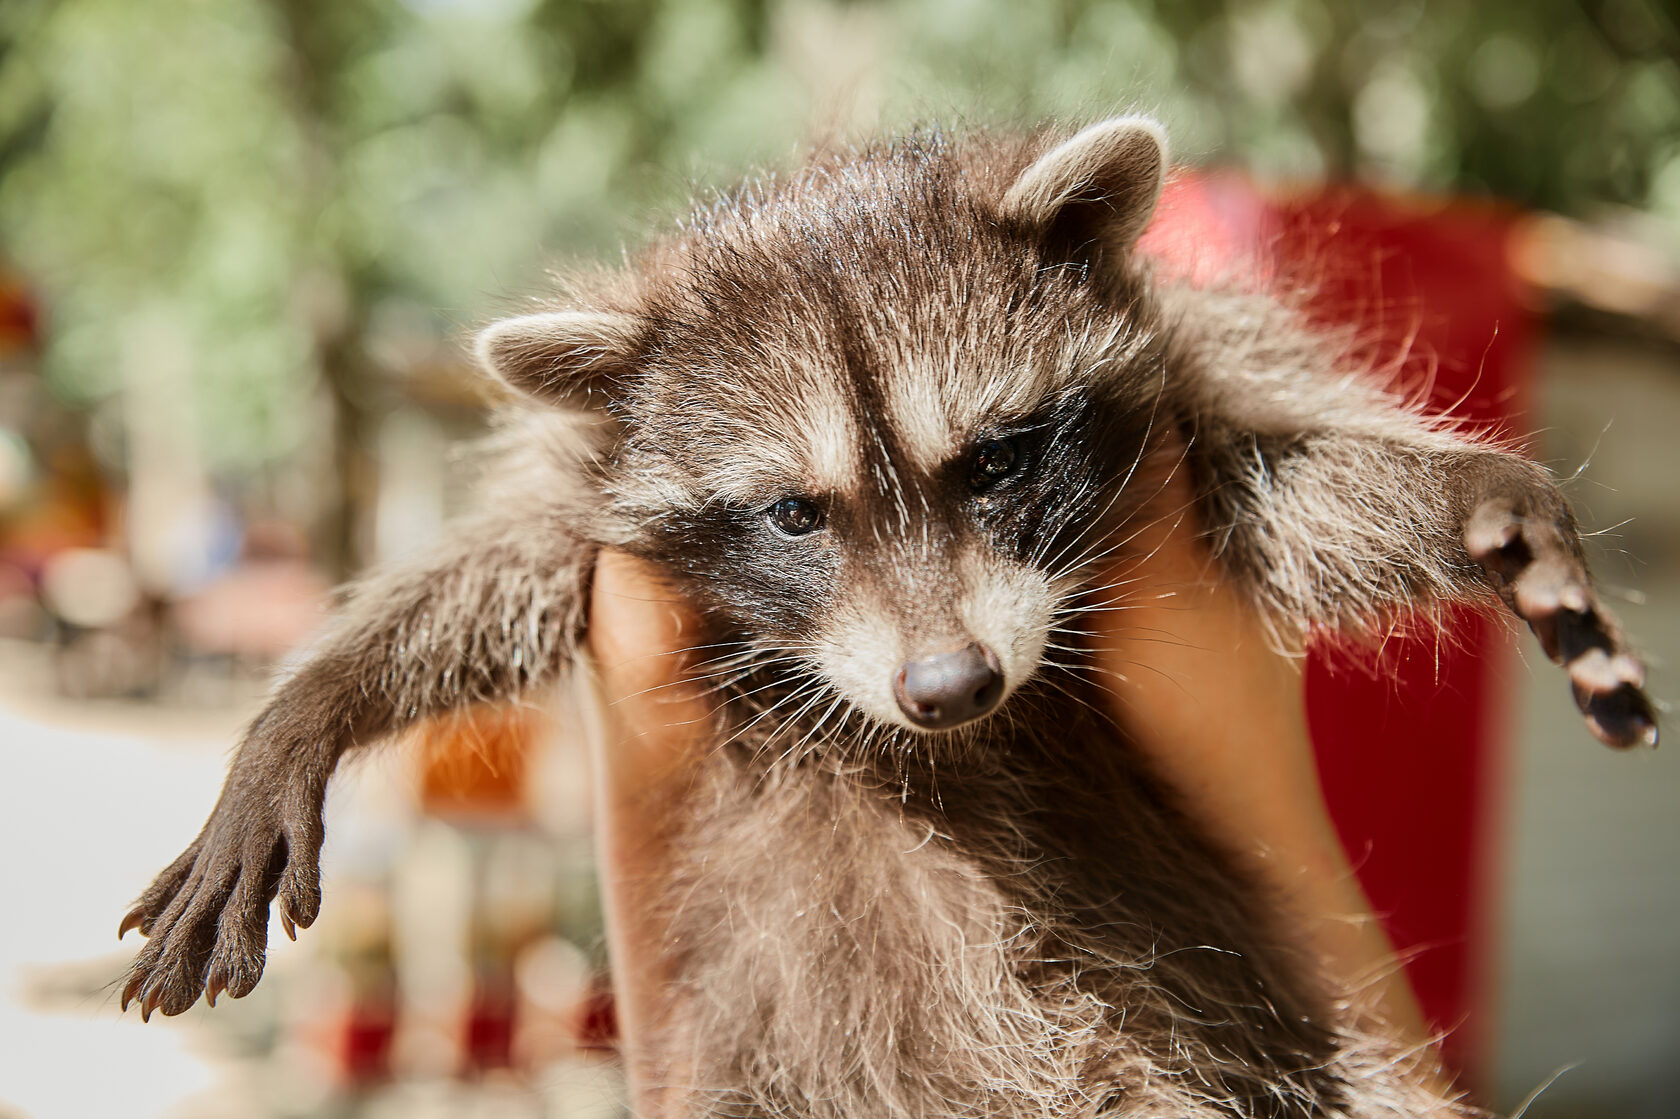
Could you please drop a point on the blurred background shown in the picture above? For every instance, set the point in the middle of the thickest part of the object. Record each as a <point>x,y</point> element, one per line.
<point>241,243</point>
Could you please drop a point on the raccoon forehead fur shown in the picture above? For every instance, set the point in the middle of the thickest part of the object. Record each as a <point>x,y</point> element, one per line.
<point>878,293</point>
<point>880,418</point>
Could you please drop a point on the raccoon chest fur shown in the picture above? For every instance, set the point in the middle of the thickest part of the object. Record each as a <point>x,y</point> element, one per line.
<point>1023,929</point>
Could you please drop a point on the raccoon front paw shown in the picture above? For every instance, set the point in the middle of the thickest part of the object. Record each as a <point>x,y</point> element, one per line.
<point>207,914</point>
<point>1535,563</point>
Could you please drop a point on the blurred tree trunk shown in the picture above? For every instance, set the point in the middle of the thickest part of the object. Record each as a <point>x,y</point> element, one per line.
<point>334,304</point>
<point>347,513</point>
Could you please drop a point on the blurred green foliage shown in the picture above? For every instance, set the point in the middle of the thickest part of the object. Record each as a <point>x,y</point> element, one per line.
<point>292,184</point>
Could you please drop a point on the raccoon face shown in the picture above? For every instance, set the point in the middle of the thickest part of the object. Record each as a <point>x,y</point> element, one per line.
<point>919,581</point>
<point>880,426</point>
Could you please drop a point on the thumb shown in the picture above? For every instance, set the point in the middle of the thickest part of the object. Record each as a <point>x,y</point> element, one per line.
<point>643,637</point>
<point>657,730</point>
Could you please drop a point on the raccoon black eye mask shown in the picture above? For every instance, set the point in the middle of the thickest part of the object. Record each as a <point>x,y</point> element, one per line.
<point>881,419</point>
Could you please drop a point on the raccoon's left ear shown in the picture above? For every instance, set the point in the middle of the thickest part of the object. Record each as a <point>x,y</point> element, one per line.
<point>560,357</point>
<point>1096,191</point>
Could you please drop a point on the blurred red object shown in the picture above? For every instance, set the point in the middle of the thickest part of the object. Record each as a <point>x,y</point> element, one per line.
<point>487,1032</point>
<point>1410,752</point>
<point>597,1020</point>
<point>365,1039</point>
<point>20,316</point>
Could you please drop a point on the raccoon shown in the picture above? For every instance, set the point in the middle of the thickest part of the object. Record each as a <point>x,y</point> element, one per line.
<point>882,418</point>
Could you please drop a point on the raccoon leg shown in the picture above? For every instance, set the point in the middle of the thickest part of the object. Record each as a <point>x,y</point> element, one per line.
<point>1346,529</point>
<point>495,610</point>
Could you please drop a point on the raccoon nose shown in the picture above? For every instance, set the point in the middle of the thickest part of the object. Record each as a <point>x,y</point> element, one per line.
<point>949,689</point>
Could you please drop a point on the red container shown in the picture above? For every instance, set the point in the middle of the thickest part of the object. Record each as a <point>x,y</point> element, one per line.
<point>1409,748</point>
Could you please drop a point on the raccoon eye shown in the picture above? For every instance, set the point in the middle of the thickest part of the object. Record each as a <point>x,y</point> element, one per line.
<point>993,461</point>
<point>794,516</point>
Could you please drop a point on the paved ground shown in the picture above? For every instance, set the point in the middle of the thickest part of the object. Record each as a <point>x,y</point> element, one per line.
<point>86,807</point>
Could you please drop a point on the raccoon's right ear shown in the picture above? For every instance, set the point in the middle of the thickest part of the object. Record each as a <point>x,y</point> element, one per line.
<point>1096,192</point>
<point>560,357</point>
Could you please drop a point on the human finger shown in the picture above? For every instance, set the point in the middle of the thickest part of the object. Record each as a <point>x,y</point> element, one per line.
<point>642,637</point>
<point>656,732</point>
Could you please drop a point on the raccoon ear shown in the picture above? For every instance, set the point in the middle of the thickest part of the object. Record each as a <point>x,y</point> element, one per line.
<point>559,357</point>
<point>1097,190</point>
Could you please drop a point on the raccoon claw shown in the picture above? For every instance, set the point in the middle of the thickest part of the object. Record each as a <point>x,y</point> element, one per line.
<point>214,984</point>
<point>207,914</point>
<point>135,982</point>
<point>1535,564</point>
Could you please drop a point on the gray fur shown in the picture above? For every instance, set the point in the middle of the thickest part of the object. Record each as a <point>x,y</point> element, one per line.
<point>1013,918</point>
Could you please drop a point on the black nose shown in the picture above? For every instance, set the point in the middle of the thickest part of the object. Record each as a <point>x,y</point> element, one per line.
<point>949,689</point>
